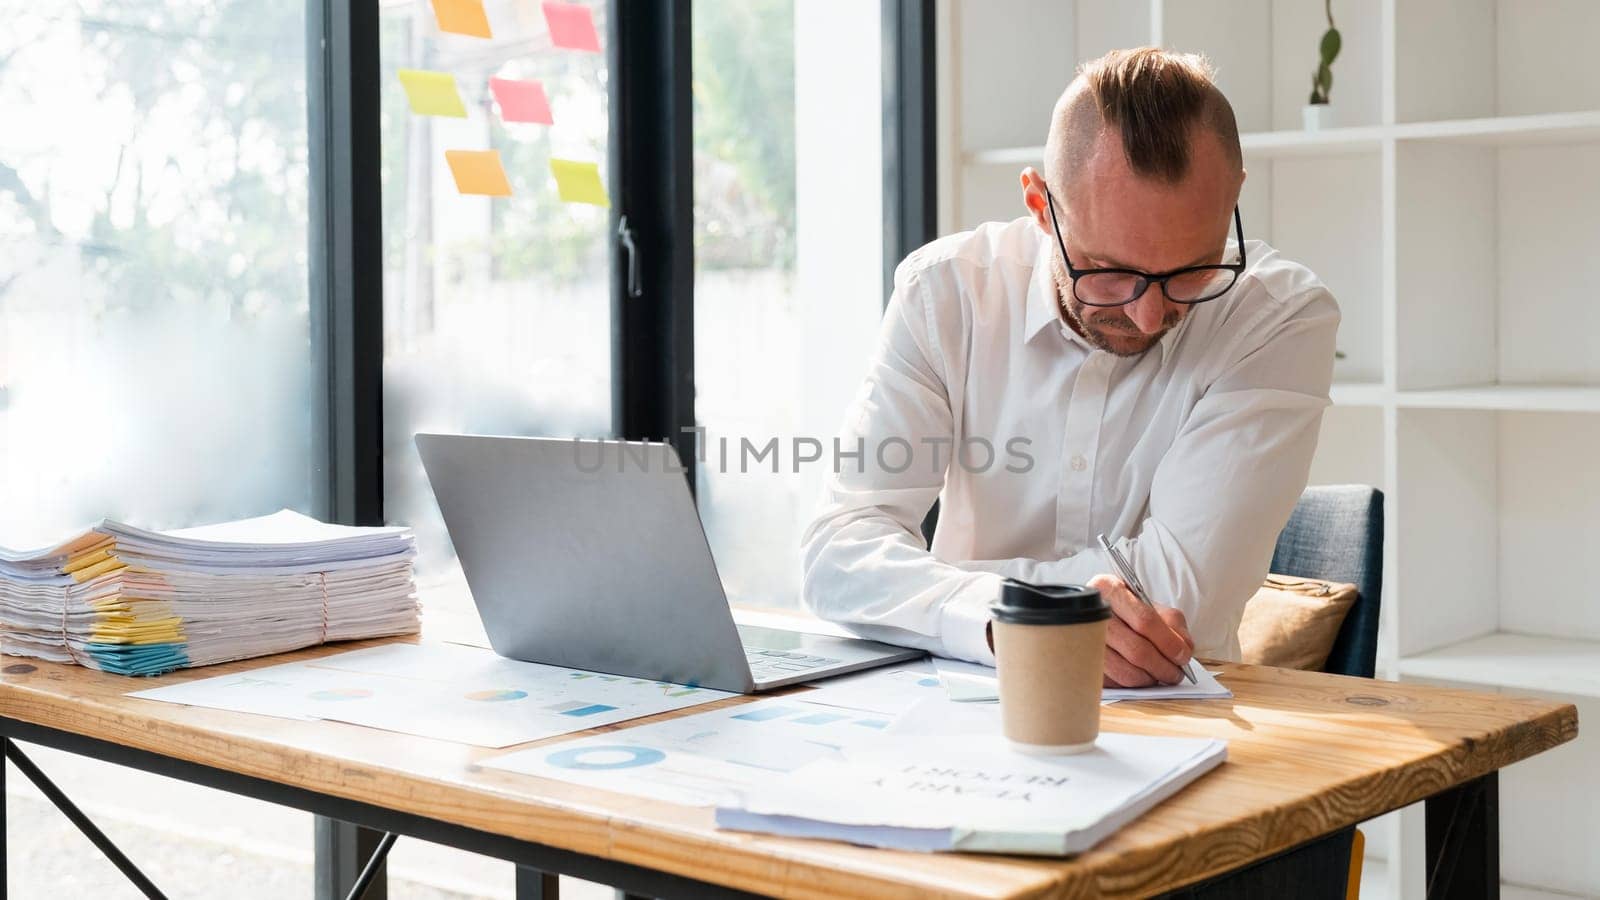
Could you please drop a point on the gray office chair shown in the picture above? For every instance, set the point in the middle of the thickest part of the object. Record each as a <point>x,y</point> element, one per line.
<point>1336,534</point>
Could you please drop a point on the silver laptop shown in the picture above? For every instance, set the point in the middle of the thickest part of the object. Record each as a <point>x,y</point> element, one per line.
<point>589,554</point>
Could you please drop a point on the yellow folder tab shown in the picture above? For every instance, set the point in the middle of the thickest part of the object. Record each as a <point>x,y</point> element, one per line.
<point>478,172</point>
<point>85,560</point>
<point>88,573</point>
<point>432,93</point>
<point>579,182</point>
<point>163,631</point>
<point>462,17</point>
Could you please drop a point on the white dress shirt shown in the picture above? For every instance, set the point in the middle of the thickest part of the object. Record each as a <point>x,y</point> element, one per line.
<point>1189,457</point>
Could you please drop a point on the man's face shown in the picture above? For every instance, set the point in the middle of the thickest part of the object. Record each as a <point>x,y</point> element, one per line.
<point>1113,218</point>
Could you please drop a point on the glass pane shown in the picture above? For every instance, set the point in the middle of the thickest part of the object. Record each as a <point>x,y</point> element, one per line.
<point>155,355</point>
<point>789,264</point>
<point>155,352</point>
<point>497,310</point>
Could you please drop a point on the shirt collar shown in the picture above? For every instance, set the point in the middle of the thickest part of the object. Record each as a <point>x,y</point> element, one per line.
<point>1044,309</point>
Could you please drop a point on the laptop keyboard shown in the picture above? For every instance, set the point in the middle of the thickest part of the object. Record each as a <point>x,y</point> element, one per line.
<point>773,664</point>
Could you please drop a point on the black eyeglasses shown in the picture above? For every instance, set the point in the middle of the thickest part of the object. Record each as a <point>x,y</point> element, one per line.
<point>1119,287</point>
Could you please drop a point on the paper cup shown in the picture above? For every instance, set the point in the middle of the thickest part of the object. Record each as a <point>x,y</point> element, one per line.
<point>1049,646</point>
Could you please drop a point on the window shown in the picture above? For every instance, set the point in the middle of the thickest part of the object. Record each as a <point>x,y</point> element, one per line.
<point>496,309</point>
<point>789,264</point>
<point>155,352</point>
<point>154,298</point>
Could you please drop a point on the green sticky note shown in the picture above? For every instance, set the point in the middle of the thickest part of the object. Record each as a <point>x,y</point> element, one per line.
<point>579,182</point>
<point>432,93</point>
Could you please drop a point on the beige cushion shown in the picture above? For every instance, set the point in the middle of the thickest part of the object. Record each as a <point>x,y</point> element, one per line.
<point>1292,622</point>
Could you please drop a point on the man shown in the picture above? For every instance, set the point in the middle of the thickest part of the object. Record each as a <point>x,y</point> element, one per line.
<point>1148,385</point>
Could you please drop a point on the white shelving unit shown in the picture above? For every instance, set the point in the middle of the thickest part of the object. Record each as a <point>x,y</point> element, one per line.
<point>1455,213</point>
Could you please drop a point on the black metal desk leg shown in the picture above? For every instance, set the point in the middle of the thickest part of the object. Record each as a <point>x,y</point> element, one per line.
<point>1463,841</point>
<point>533,884</point>
<point>5,845</point>
<point>342,850</point>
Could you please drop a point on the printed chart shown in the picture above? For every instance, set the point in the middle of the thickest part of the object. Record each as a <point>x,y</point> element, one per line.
<point>463,694</point>
<point>705,759</point>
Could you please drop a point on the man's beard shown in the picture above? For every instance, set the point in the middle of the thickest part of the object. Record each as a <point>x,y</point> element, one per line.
<point>1096,331</point>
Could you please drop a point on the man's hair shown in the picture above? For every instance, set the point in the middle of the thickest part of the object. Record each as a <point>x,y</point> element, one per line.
<point>1155,99</point>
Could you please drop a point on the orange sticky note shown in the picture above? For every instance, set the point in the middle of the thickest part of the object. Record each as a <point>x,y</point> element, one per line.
<point>478,172</point>
<point>571,26</point>
<point>462,17</point>
<point>521,101</point>
<point>579,182</point>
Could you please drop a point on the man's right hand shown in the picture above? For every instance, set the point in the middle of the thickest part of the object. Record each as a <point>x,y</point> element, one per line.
<point>1144,645</point>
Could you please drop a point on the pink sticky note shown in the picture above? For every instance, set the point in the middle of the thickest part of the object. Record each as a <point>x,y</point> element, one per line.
<point>571,26</point>
<point>521,101</point>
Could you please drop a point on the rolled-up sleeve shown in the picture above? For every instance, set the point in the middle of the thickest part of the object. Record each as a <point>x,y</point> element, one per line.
<point>865,564</point>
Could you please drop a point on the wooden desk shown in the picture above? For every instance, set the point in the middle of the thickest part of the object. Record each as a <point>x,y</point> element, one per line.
<point>1308,754</point>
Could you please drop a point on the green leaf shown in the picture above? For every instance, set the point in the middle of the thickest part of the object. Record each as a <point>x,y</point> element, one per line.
<point>1331,43</point>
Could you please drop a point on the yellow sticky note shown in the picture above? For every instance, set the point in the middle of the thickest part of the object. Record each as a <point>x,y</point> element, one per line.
<point>462,17</point>
<point>579,182</point>
<point>432,93</point>
<point>478,172</point>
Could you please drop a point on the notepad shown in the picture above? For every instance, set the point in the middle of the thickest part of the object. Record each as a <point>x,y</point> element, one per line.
<point>970,682</point>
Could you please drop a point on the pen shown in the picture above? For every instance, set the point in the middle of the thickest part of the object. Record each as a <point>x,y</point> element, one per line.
<point>1132,580</point>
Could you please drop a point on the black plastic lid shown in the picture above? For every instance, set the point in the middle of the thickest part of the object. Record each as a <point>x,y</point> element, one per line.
<point>1022,603</point>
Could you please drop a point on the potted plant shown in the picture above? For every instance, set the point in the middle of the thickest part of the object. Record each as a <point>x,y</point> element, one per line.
<point>1318,113</point>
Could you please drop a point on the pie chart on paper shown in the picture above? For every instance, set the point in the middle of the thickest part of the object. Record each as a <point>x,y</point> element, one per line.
<point>497,695</point>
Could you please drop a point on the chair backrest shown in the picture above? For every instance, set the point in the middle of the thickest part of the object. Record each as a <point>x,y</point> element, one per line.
<point>1336,533</point>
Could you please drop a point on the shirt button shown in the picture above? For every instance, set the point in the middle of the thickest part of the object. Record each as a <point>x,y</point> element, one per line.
<point>1079,463</point>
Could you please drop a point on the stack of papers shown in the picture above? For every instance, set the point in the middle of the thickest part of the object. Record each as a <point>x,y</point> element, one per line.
<point>138,602</point>
<point>974,794</point>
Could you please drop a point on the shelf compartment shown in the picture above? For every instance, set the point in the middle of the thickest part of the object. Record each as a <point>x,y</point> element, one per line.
<point>1494,248</point>
<point>1513,661</point>
<point>1466,59</point>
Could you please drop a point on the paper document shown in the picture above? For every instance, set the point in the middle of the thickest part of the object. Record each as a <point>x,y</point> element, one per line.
<point>703,759</point>
<point>890,690</point>
<point>445,691</point>
<point>969,682</point>
<point>974,794</point>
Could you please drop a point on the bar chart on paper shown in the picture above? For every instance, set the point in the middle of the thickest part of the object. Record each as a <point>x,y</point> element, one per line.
<point>463,694</point>
<point>707,758</point>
